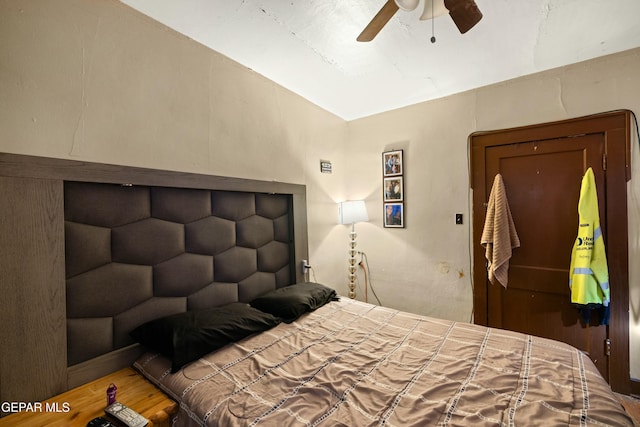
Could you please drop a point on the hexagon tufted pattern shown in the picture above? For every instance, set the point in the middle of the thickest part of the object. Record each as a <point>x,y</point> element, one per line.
<point>135,253</point>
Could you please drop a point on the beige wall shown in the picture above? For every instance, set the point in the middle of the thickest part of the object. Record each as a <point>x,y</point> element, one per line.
<point>96,81</point>
<point>425,268</point>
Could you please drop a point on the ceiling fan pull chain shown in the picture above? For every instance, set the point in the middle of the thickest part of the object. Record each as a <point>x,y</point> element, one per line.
<point>433,32</point>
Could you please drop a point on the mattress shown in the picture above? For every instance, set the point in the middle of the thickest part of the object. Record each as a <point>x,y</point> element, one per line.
<point>349,363</point>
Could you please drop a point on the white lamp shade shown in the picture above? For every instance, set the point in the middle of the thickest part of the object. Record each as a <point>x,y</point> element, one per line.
<point>352,211</point>
<point>407,5</point>
<point>435,6</point>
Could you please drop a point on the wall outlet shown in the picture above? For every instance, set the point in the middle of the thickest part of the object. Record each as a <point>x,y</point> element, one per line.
<point>305,266</point>
<point>458,218</point>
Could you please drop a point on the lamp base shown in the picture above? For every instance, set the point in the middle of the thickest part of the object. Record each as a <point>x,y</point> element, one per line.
<point>352,262</point>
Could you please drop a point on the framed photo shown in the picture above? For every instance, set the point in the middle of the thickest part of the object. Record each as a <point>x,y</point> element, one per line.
<point>393,189</point>
<point>394,215</point>
<point>392,163</point>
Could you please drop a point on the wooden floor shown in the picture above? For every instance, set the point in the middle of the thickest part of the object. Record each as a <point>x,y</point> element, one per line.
<point>632,405</point>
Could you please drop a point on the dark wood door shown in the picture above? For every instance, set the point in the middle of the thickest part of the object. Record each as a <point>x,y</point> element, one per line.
<point>542,180</point>
<point>542,167</point>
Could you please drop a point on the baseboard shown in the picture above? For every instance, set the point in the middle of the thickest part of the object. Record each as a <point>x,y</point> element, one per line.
<point>100,366</point>
<point>635,387</point>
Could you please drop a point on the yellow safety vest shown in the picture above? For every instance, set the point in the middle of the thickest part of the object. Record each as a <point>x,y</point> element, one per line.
<point>588,273</point>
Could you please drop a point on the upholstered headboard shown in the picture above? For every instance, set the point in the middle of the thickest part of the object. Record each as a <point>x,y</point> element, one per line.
<point>136,253</point>
<point>89,250</point>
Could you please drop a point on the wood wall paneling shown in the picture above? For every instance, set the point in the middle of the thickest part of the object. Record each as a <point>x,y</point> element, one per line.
<point>32,297</point>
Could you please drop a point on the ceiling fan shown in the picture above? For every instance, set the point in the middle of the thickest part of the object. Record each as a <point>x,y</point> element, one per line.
<point>464,13</point>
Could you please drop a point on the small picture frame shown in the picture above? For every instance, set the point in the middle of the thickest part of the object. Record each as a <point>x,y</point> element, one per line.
<point>394,215</point>
<point>393,188</point>
<point>392,163</point>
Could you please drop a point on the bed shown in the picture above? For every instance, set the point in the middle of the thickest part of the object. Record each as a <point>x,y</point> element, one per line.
<point>197,283</point>
<point>349,363</point>
<point>123,247</point>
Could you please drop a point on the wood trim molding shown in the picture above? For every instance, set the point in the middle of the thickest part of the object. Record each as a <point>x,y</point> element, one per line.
<point>91,369</point>
<point>620,119</point>
<point>635,387</point>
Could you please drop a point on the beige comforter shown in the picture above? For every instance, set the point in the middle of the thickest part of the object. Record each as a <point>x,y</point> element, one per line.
<point>354,364</point>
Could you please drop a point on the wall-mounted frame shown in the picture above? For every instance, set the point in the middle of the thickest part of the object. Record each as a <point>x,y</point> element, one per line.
<point>393,189</point>
<point>392,163</point>
<point>394,215</point>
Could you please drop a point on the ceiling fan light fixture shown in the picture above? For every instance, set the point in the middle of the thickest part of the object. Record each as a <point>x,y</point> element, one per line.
<point>407,5</point>
<point>465,13</point>
<point>433,9</point>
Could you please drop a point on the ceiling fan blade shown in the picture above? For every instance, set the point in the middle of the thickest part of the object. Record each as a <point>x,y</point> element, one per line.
<point>382,17</point>
<point>465,13</point>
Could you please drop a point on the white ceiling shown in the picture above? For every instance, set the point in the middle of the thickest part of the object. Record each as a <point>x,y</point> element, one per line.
<point>310,47</point>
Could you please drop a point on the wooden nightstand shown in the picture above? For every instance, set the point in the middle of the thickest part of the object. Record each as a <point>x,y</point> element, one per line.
<point>80,405</point>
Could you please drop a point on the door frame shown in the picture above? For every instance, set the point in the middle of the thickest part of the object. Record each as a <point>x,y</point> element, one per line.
<point>616,127</point>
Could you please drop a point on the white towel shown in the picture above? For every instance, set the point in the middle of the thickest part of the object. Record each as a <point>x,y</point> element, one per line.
<point>499,235</point>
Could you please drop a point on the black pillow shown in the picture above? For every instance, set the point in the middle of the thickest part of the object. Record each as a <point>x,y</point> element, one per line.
<point>186,337</point>
<point>292,301</point>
